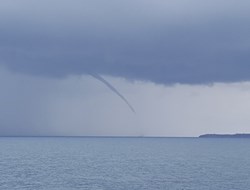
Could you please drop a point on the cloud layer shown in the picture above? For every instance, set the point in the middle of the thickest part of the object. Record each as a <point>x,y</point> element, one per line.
<point>165,42</point>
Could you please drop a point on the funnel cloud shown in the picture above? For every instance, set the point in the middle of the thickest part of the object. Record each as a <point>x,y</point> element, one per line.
<point>98,77</point>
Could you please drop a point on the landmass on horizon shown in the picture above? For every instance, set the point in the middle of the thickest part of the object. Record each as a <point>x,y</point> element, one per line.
<point>237,135</point>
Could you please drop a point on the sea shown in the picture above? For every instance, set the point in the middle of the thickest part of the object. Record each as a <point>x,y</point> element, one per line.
<point>124,163</point>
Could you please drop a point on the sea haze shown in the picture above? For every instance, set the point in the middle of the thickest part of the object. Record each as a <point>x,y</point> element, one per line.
<point>65,163</point>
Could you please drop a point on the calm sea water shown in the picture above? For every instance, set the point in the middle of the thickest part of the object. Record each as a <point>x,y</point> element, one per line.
<point>124,163</point>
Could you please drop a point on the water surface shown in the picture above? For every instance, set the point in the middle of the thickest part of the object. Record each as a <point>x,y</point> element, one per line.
<point>67,163</point>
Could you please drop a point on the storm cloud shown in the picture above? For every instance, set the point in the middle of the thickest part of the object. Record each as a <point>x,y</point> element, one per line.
<point>166,42</point>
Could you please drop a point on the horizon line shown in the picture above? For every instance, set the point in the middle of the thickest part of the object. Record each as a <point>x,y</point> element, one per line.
<point>98,136</point>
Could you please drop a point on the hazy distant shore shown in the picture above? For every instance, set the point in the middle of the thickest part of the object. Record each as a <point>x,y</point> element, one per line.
<point>243,135</point>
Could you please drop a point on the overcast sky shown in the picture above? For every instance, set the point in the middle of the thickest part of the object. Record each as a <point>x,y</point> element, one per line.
<point>183,65</point>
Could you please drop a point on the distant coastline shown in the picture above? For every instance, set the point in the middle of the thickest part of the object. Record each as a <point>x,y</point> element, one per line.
<point>241,135</point>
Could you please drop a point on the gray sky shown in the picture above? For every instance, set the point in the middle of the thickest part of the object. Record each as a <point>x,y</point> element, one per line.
<point>184,66</point>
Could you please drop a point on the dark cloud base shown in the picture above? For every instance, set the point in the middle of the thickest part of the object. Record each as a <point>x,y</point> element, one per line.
<point>148,45</point>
